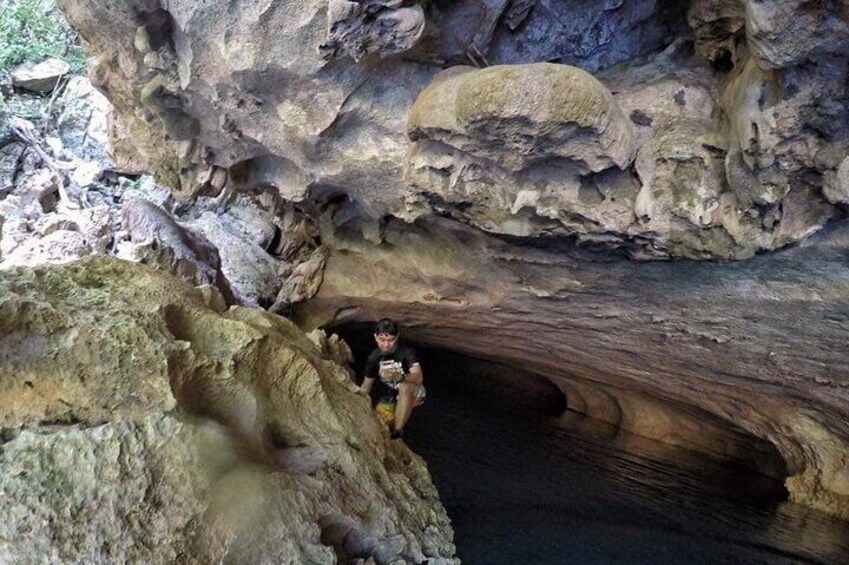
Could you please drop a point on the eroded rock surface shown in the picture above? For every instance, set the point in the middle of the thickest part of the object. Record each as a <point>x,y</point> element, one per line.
<point>269,456</point>
<point>690,354</point>
<point>719,131</point>
<point>738,133</point>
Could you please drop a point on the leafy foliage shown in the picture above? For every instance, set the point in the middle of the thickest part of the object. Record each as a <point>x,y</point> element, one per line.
<point>33,30</point>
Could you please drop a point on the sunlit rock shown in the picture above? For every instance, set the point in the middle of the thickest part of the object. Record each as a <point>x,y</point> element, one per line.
<point>518,115</point>
<point>96,357</point>
<point>40,77</point>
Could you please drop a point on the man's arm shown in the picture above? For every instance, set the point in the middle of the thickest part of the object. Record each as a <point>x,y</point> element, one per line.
<point>415,375</point>
<point>366,386</point>
<point>369,374</point>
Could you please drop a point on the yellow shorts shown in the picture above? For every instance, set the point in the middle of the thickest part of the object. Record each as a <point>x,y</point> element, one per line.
<point>385,408</point>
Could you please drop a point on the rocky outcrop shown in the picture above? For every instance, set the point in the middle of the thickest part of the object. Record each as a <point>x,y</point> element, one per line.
<point>63,198</point>
<point>700,355</point>
<point>270,454</point>
<point>373,27</point>
<point>515,116</point>
<point>736,135</point>
<point>725,143</point>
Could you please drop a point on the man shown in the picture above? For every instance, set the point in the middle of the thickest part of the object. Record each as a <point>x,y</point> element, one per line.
<point>394,372</point>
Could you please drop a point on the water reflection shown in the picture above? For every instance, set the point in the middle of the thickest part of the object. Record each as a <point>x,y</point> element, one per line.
<point>525,487</point>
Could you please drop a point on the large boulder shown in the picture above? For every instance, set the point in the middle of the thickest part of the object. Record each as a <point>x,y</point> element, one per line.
<point>518,115</point>
<point>156,238</point>
<point>271,455</point>
<point>250,270</point>
<point>83,125</point>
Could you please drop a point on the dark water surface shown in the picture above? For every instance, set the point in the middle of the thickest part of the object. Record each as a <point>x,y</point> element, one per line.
<point>524,487</point>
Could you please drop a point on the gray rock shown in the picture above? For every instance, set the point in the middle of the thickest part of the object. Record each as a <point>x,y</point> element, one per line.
<point>40,77</point>
<point>372,27</point>
<point>171,247</point>
<point>249,269</point>
<point>83,123</point>
<point>60,246</point>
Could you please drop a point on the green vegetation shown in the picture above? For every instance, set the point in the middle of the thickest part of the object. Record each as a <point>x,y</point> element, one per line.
<point>33,30</point>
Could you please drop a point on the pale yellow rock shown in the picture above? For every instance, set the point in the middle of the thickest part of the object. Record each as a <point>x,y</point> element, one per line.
<point>105,341</point>
<point>515,114</point>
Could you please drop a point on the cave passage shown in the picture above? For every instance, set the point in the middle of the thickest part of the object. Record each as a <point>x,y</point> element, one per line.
<point>526,482</point>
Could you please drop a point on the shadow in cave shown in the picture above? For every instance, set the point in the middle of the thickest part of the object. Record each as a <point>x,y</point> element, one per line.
<point>525,482</point>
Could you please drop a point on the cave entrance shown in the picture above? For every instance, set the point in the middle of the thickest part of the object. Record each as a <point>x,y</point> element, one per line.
<point>625,419</point>
<point>524,479</point>
<point>495,386</point>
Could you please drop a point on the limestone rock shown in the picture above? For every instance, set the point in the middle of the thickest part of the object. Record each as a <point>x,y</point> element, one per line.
<point>269,111</point>
<point>718,25</point>
<point>517,115</point>
<point>836,188</point>
<point>255,219</point>
<point>136,485</point>
<point>787,34</point>
<point>303,283</point>
<point>83,123</point>
<point>59,246</point>
<point>591,35</point>
<point>40,77</point>
<point>372,27</point>
<point>248,268</point>
<point>10,155</point>
<point>171,247</point>
<point>96,353</point>
<point>742,345</point>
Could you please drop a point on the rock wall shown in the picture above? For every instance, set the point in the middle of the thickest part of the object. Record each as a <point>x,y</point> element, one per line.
<point>708,130</point>
<point>731,129</point>
<point>144,423</point>
<point>692,354</point>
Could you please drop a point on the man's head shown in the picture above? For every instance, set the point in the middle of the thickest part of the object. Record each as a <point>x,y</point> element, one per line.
<point>386,335</point>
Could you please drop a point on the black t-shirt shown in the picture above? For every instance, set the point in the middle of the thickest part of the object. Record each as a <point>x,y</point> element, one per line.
<point>402,356</point>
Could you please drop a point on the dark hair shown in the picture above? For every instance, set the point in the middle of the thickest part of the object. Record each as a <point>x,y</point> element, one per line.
<point>386,326</point>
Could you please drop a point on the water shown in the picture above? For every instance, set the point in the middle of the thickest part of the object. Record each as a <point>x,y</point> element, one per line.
<point>521,486</point>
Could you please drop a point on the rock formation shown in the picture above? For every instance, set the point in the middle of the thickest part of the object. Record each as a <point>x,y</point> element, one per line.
<point>167,429</point>
<point>501,205</point>
<point>722,359</point>
<point>727,145</point>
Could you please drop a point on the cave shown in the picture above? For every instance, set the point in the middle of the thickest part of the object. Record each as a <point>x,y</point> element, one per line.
<point>509,389</point>
<point>614,232</point>
<point>508,449</point>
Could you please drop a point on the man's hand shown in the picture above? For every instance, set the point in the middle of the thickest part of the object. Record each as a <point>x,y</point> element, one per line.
<point>392,374</point>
